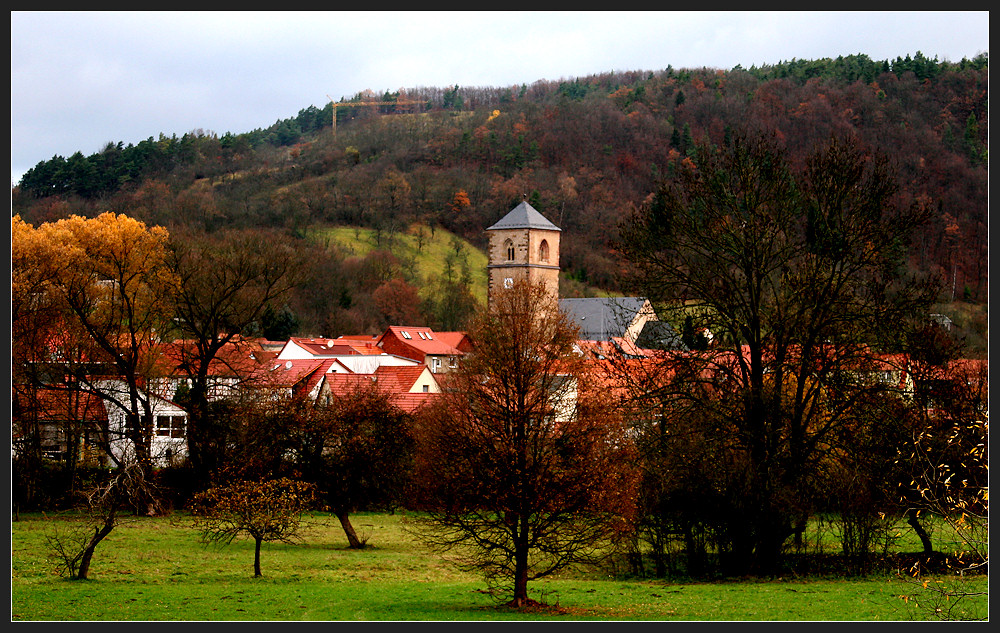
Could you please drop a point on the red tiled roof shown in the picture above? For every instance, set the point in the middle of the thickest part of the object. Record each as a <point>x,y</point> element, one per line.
<point>393,380</point>
<point>339,384</point>
<point>301,374</point>
<point>410,402</point>
<point>239,357</point>
<point>423,340</point>
<point>458,340</point>
<point>399,378</point>
<point>323,346</point>
<point>63,404</point>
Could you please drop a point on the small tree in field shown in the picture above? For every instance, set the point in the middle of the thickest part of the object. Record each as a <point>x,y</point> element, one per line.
<point>947,476</point>
<point>126,493</point>
<point>264,511</point>
<point>524,466</point>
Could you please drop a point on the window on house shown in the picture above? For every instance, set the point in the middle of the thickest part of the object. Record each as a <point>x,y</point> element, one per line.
<point>130,427</point>
<point>508,246</point>
<point>422,337</point>
<point>170,425</point>
<point>405,334</point>
<point>543,251</point>
<point>163,425</point>
<point>426,388</point>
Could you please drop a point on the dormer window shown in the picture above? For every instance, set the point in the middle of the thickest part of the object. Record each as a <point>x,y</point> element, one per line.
<point>543,251</point>
<point>405,334</point>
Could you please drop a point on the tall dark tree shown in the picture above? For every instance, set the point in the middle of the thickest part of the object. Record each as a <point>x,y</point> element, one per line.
<point>356,446</point>
<point>522,463</point>
<point>227,282</point>
<point>801,276</point>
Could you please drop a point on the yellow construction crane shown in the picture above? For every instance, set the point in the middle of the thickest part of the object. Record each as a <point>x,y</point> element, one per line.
<point>353,104</point>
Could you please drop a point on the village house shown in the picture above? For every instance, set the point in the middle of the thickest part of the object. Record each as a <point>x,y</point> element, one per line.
<point>67,420</point>
<point>168,443</point>
<point>408,363</point>
<point>408,387</point>
<point>440,351</point>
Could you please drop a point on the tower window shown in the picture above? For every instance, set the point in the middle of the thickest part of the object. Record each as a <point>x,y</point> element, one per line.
<point>543,251</point>
<point>508,246</point>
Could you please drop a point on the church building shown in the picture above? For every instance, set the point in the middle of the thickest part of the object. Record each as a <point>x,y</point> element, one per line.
<point>523,246</point>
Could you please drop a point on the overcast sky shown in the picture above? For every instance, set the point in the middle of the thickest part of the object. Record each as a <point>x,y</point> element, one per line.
<point>82,79</point>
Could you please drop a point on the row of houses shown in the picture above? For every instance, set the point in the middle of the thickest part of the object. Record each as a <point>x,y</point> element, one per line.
<point>408,363</point>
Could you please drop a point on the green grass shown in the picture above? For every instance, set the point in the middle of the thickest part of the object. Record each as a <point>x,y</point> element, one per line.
<point>157,569</point>
<point>425,261</point>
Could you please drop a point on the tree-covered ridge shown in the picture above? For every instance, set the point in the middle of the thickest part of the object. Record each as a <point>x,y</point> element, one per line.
<point>584,151</point>
<point>116,165</point>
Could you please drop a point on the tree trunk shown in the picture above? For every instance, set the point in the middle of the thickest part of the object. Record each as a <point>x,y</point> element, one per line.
<point>352,538</point>
<point>695,553</point>
<point>256,557</point>
<point>521,567</point>
<point>520,584</point>
<point>914,522</point>
<point>88,553</point>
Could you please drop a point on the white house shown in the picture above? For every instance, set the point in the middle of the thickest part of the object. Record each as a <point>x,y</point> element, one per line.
<point>168,444</point>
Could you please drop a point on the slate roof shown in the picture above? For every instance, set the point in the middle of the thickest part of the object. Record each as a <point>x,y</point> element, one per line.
<point>524,216</point>
<point>603,318</point>
<point>659,335</point>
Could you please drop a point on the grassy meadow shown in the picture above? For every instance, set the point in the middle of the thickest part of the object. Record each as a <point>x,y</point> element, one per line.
<point>421,252</point>
<point>157,569</point>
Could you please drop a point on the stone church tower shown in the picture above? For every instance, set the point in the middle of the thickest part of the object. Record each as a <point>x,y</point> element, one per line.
<point>523,246</point>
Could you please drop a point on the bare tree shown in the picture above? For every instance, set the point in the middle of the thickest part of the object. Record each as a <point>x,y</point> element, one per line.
<point>127,493</point>
<point>226,283</point>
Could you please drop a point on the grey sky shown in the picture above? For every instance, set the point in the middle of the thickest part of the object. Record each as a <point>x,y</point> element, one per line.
<point>82,79</point>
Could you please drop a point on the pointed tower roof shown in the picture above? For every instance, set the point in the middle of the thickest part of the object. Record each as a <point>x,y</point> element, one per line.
<point>524,216</point>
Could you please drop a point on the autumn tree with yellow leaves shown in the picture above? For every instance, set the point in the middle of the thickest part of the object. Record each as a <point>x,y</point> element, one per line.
<point>106,279</point>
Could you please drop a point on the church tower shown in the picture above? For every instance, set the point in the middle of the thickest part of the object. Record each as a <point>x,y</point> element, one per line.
<point>523,246</point>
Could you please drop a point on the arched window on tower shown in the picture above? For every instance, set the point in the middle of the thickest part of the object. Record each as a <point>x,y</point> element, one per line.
<point>543,251</point>
<point>508,246</point>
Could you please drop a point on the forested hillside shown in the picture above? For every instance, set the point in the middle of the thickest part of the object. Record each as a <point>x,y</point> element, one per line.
<point>584,152</point>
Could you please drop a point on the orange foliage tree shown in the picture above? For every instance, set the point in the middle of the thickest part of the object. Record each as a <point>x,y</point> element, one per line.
<point>110,277</point>
<point>522,463</point>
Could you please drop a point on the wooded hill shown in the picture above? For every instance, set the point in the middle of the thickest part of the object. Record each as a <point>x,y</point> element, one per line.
<point>584,151</point>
